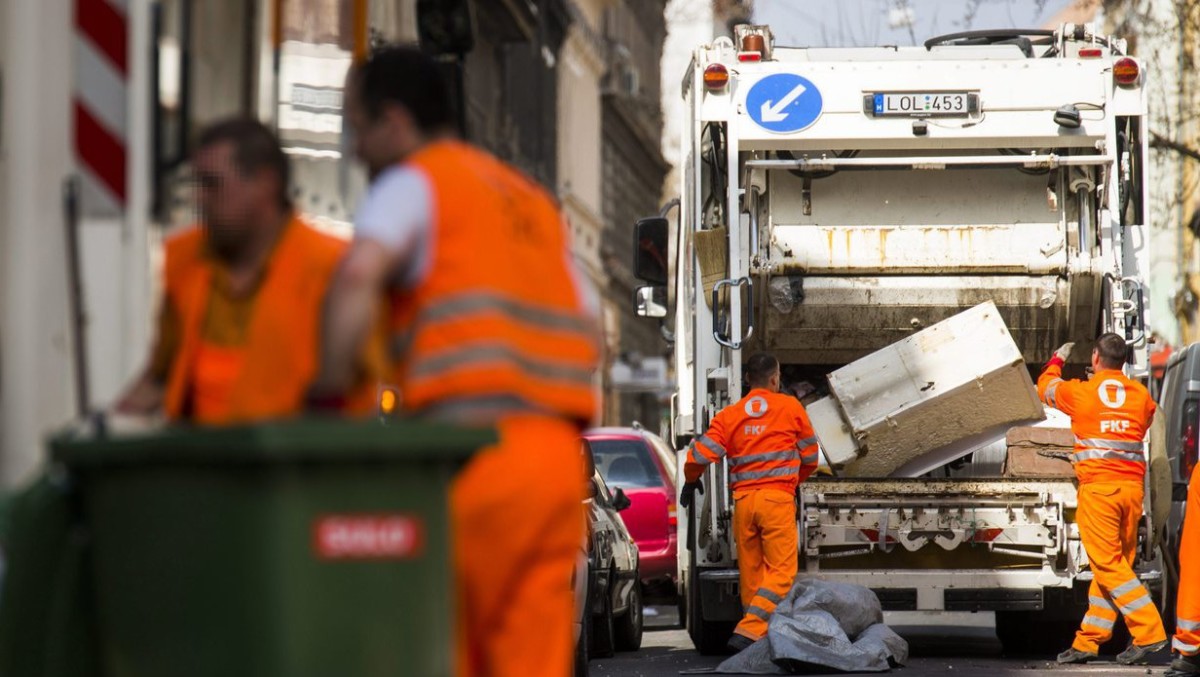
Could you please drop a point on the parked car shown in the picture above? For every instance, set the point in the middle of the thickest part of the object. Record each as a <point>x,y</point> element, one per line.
<point>608,595</point>
<point>1179,411</point>
<point>642,465</point>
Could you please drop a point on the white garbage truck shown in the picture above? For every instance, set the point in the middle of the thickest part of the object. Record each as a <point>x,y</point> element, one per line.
<point>835,201</point>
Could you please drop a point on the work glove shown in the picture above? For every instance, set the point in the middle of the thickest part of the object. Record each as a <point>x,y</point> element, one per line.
<point>688,493</point>
<point>1064,351</point>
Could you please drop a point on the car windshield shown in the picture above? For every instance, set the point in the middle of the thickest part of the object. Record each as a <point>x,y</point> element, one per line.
<point>626,464</point>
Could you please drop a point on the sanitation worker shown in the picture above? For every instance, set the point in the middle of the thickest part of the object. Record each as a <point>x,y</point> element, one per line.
<point>1187,605</point>
<point>242,293</point>
<point>1110,414</point>
<point>492,326</point>
<point>772,449</point>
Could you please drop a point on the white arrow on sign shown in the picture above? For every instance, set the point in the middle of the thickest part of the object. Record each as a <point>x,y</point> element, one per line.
<point>774,112</point>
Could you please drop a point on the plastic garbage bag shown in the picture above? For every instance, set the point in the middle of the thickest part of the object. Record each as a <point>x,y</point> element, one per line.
<point>823,627</point>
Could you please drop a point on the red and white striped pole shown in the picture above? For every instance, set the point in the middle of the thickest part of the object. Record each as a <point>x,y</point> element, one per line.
<point>100,102</point>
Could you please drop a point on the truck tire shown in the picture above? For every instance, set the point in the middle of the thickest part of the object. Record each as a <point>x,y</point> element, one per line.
<point>630,624</point>
<point>709,637</point>
<point>1169,588</point>
<point>1033,633</point>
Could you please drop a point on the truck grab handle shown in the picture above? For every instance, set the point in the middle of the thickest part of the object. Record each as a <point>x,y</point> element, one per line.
<point>727,340</point>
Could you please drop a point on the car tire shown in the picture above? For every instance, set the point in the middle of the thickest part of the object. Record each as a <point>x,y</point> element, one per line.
<point>601,638</point>
<point>585,636</point>
<point>630,625</point>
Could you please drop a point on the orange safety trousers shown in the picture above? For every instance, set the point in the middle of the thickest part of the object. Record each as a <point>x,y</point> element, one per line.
<point>1187,605</point>
<point>1108,515</point>
<point>518,522</point>
<point>764,528</point>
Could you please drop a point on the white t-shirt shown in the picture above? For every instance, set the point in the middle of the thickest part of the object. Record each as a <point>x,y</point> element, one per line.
<point>397,213</point>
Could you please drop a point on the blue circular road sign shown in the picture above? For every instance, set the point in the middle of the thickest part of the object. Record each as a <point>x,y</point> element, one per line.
<point>784,102</point>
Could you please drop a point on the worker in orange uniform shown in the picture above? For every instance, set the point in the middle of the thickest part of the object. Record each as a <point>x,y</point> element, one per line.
<point>771,449</point>
<point>491,326</point>
<point>242,292</point>
<point>1187,605</point>
<point>1110,414</point>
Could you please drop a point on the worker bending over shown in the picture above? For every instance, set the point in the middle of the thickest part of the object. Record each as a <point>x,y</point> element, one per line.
<point>242,292</point>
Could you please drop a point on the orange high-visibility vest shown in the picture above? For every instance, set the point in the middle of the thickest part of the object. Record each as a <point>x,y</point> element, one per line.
<point>499,325</point>
<point>769,441</point>
<point>279,357</point>
<point>1110,414</point>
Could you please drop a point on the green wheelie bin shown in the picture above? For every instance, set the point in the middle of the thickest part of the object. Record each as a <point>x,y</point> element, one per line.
<point>297,549</point>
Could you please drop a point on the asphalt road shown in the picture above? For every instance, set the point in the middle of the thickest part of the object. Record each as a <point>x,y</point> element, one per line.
<point>958,644</point>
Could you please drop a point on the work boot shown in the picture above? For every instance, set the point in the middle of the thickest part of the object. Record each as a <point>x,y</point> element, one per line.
<point>1073,655</point>
<point>1184,666</point>
<point>739,642</point>
<point>1139,655</point>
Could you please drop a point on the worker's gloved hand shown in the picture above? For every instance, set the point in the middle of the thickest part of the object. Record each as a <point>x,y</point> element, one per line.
<point>1064,351</point>
<point>688,493</point>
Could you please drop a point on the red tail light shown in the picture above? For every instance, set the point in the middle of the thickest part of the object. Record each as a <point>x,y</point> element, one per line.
<point>1090,53</point>
<point>1126,71</point>
<point>1190,434</point>
<point>672,517</point>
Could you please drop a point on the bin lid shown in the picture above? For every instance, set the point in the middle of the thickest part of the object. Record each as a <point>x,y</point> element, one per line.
<point>312,439</point>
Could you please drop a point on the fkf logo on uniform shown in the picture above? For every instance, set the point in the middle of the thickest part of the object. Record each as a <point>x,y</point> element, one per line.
<point>755,429</point>
<point>1114,426</point>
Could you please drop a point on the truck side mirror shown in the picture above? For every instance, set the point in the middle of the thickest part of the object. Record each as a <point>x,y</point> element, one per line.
<point>650,250</point>
<point>651,301</point>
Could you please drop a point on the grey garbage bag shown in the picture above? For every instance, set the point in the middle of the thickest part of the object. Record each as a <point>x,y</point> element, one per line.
<point>822,627</point>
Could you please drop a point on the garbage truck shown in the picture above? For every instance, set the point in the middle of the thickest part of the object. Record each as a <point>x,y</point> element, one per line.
<point>836,201</point>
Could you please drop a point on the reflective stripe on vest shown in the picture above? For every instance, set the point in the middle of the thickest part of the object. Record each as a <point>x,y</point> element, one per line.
<point>760,474</point>
<point>1106,454</point>
<point>748,459</point>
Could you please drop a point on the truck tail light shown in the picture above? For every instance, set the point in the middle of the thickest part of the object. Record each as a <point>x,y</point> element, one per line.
<point>1126,71</point>
<point>716,76</point>
<point>1190,434</point>
<point>1090,53</point>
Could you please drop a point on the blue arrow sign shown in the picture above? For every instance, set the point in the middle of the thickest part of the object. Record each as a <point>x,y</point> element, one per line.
<point>784,102</point>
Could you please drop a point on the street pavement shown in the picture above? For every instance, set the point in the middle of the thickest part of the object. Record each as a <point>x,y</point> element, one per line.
<point>959,644</point>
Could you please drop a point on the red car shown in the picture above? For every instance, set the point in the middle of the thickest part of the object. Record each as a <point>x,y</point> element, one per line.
<point>642,465</point>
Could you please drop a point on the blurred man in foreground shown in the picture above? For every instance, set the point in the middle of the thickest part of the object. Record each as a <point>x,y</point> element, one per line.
<point>490,326</point>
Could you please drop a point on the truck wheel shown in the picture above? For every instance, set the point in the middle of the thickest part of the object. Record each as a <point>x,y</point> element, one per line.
<point>629,626</point>
<point>709,637</point>
<point>1031,633</point>
<point>601,634</point>
<point>1169,588</point>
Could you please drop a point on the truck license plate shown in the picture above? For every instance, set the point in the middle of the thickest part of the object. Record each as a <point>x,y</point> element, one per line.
<point>924,103</point>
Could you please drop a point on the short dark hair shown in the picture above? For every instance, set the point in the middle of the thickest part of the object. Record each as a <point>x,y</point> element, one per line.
<point>410,78</point>
<point>759,369</point>
<point>255,147</point>
<point>1114,352</point>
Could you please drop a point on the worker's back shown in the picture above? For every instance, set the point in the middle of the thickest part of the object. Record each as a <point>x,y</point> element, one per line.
<point>499,324</point>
